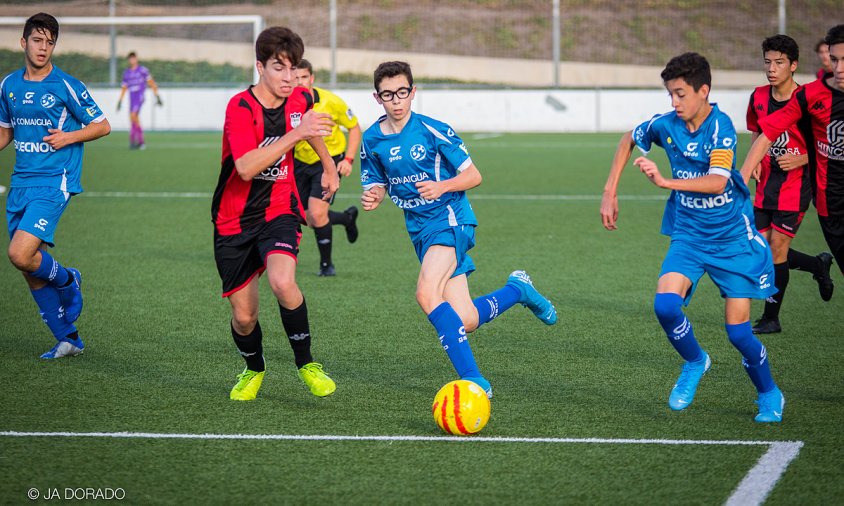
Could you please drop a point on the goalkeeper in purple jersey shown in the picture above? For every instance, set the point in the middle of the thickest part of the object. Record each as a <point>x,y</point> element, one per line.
<point>135,80</point>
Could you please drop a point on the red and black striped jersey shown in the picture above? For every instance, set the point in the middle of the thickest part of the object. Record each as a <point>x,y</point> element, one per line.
<point>239,204</point>
<point>824,107</point>
<point>779,190</point>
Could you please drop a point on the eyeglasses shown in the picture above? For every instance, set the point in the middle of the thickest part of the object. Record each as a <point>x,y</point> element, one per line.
<point>387,95</point>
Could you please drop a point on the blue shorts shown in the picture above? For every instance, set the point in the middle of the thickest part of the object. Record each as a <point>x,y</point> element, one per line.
<point>740,269</point>
<point>35,210</point>
<point>461,238</point>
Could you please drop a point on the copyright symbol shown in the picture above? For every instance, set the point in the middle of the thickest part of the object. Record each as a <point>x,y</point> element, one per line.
<point>33,493</point>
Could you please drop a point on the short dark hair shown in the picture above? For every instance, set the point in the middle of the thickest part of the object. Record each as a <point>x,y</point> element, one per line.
<point>835,35</point>
<point>692,67</point>
<point>818,45</point>
<point>305,64</point>
<point>783,44</point>
<point>392,69</point>
<point>132,54</point>
<point>277,41</point>
<point>41,22</point>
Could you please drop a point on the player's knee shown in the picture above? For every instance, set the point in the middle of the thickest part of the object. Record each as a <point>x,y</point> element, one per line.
<point>470,321</point>
<point>427,299</point>
<point>20,258</point>
<point>282,285</point>
<point>244,320</point>
<point>668,306</point>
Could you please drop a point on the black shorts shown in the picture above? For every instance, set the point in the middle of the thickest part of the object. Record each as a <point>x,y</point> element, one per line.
<point>243,256</point>
<point>833,232</point>
<point>309,179</point>
<point>785,222</point>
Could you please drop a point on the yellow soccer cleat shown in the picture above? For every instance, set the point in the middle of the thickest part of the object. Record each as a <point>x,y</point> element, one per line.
<point>320,384</point>
<point>247,386</point>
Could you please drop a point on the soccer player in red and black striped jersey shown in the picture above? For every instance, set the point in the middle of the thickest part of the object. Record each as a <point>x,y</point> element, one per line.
<point>784,186</point>
<point>257,212</point>
<point>822,50</point>
<point>822,103</point>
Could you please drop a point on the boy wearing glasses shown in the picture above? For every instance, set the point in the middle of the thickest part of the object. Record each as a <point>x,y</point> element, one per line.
<point>426,169</point>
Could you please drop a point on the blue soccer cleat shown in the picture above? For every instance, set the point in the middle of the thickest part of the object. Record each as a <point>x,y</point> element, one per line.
<point>71,296</point>
<point>65,348</point>
<point>532,299</point>
<point>771,405</point>
<point>481,382</point>
<point>684,390</point>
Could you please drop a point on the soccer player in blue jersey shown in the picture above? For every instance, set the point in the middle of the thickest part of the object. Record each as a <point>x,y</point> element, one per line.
<point>426,169</point>
<point>709,218</point>
<point>49,115</point>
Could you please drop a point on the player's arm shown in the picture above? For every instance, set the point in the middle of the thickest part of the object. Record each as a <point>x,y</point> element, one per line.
<point>372,196</point>
<point>345,165</point>
<point>754,157</point>
<point>122,94</point>
<point>710,183</point>
<point>6,136</point>
<point>771,127</point>
<point>329,181</point>
<point>152,84</point>
<point>757,171</point>
<point>255,161</point>
<point>92,131</point>
<point>467,179</point>
<point>609,200</point>
<point>791,161</point>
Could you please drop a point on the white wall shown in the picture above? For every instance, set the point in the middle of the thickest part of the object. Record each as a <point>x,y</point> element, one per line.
<point>464,110</point>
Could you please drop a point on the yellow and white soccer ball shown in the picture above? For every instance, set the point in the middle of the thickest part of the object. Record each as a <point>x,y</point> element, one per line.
<point>461,408</point>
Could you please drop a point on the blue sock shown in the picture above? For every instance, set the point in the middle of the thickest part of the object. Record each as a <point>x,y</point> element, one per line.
<point>669,312</point>
<point>453,339</point>
<point>51,271</point>
<point>754,356</point>
<point>493,304</point>
<point>49,305</point>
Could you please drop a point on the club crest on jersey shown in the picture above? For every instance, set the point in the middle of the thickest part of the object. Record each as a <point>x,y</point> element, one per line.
<point>295,119</point>
<point>48,101</point>
<point>417,152</point>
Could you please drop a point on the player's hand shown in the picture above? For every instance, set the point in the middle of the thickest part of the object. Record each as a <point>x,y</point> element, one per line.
<point>609,211</point>
<point>315,124</point>
<point>158,101</point>
<point>649,168</point>
<point>757,172</point>
<point>57,138</point>
<point>790,162</point>
<point>430,190</point>
<point>330,182</point>
<point>344,168</point>
<point>119,105</point>
<point>372,197</point>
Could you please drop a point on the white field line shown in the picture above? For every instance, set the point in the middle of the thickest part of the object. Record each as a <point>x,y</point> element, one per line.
<point>752,490</point>
<point>481,196</point>
<point>762,477</point>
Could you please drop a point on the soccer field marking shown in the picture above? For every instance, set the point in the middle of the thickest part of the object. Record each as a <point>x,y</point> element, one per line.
<point>752,490</point>
<point>760,480</point>
<point>479,196</point>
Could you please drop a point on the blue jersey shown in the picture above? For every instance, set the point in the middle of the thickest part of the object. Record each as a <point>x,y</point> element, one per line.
<point>709,150</point>
<point>33,107</point>
<point>425,150</point>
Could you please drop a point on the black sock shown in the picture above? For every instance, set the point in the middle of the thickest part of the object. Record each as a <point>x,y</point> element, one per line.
<point>336,218</point>
<point>295,322</point>
<point>323,240</point>
<point>803,262</point>
<point>774,302</point>
<point>250,347</point>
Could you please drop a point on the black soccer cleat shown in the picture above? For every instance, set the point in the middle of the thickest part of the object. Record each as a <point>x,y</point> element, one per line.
<point>352,227</point>
<point>825,285</point>
<point>326,271</point>
<point>767,326</point>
